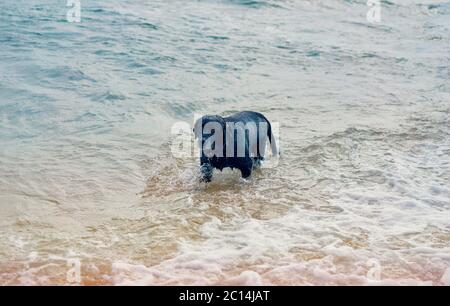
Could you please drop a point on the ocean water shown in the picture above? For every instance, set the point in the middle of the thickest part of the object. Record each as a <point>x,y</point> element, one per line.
<point>361,194</point>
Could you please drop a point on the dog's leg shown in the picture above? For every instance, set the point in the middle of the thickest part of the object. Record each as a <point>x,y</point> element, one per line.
<point>207,172</point>
<point>246,172</point>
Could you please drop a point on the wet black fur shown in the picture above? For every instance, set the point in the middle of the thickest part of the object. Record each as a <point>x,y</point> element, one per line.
<point>245,164</point>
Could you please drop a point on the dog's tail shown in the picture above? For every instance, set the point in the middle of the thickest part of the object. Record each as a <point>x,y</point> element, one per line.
<point>273,142</point>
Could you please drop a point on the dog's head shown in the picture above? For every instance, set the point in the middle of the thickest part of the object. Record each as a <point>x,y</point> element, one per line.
<point>207,130</point>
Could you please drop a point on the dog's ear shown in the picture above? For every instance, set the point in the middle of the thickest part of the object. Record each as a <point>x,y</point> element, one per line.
<point>222,122</point>
<point>200,124</point>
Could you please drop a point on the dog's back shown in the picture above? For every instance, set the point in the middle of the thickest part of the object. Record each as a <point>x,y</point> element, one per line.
<point>245,137</point>
<point>258,119</point>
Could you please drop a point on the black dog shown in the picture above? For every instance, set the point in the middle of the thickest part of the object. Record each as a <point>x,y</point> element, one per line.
<point>238,141</point>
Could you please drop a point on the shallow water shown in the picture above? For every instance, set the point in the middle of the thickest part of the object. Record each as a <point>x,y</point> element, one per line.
<point>86,172</point>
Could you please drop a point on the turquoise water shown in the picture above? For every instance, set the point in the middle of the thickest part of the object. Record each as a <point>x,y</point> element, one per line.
<point>86,114</point>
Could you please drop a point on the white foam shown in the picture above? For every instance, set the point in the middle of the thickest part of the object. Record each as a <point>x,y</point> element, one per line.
<point>246,278</point>
<point>445,280</point>
<point>247,251</point>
